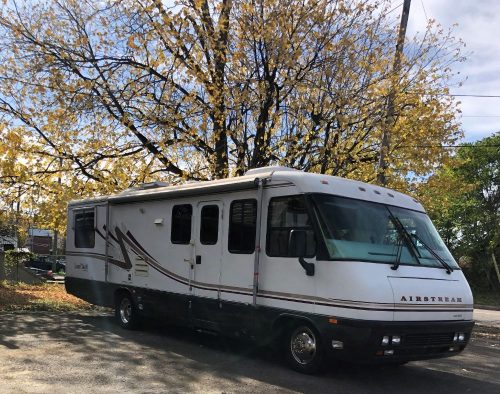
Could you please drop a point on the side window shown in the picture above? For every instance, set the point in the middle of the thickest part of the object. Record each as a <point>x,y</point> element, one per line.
<point>284,215</point>
<point>242,226</point>
<point>209,225</point>
<point>84,228</point>
<point>180,232</point>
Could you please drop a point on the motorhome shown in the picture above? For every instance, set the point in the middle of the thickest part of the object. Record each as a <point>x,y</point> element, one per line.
<point>328,266</point>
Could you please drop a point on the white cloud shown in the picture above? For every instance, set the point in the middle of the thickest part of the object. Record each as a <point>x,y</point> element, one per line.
<point>478,27</point>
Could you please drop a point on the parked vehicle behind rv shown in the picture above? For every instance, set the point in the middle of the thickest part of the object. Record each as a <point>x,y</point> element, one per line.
<point>46,263</point>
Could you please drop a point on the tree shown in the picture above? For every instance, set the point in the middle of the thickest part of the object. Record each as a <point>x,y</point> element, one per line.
<point>98,95</point>
<point>464,200</point>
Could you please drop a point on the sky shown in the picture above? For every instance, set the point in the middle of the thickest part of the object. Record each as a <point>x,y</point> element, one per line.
<point>479,27</point>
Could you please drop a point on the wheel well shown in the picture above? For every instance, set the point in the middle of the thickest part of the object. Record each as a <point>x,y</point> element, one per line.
<point>286,322</point>
<point>120,292</point>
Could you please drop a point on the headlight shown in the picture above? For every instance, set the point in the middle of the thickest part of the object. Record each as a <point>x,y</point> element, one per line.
<point>459,337</point>
<point>385,340</point>
<point>396,340</point>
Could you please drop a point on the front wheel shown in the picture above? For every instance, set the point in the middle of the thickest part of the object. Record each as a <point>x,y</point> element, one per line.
<point>304,350</point>
<point>126,312</point>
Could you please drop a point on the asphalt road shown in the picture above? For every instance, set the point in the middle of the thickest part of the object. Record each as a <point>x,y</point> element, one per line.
<point>84,353</point>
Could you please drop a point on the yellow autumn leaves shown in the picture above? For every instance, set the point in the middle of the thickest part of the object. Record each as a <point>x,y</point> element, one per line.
<point>114,93</point>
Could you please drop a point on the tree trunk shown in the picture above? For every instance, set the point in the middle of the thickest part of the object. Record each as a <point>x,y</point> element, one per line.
<point>493,258</point>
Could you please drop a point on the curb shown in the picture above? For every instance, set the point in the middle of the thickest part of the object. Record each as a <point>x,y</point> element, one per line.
<point>487,307</point>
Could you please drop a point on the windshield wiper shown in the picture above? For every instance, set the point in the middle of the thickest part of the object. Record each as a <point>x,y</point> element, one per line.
<point>449,270</point>
<point>412,248</point>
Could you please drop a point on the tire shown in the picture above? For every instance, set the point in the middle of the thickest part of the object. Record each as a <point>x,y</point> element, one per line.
<point>304,350</point>
<point>126,311</point>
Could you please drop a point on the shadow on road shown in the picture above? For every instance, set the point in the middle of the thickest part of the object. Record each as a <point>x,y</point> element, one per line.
<point>168,357</point>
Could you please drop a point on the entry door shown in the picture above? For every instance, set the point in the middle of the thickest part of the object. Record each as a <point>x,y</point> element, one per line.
<point>208,249</point>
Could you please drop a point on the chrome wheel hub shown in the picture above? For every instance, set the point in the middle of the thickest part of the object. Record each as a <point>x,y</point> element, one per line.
<point>303,346</point>
<point>125,310</point>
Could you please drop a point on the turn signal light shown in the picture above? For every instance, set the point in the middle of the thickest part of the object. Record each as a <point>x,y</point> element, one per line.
<point>337,344</point>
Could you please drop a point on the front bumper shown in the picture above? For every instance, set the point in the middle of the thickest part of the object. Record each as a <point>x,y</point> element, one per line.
<point>362,340</point>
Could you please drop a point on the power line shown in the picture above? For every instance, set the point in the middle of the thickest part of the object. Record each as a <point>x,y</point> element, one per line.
<point>480,116</point>
<point>394,9</point>
<point>451,146</point>
<point>472,95</point>
<point>423,8</point>
<point>456,95</point>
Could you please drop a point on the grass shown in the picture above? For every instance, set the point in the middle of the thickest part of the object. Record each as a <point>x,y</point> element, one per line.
<point>486,297</point>
<point>41,297</point>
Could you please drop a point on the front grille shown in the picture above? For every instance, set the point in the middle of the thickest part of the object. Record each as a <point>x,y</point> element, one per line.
<point>431,339</point>
<point>422,351</point>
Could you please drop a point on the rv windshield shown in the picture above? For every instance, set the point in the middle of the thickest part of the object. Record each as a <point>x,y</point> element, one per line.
<point>365,231</point>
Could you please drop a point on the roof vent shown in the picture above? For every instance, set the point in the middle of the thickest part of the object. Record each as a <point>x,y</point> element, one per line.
<point>151,185</point>
<point>145,186</point>
<point>265,170</point>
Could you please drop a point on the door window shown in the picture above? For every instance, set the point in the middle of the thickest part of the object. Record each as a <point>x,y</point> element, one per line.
<point>209,224</point>
<point>180,232</point>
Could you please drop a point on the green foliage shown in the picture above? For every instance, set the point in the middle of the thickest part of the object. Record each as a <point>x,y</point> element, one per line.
<point>464,201</point>
<point>482,297</point>
<point>13,259</point>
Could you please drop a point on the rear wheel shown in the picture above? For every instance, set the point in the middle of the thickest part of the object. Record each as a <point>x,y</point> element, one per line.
<point>126,311</point>
<point>304,349</point>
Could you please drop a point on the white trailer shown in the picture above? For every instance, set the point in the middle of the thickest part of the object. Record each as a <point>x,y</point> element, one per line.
<point>333,267</point>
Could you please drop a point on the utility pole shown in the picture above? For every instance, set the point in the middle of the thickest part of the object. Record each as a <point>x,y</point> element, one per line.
<point>389,121</point>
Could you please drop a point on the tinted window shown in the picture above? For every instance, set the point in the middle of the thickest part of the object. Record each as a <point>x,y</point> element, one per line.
<point>180,232</point>
<point>287,214</point>
<point>242,226</point>
<point>209,225</point>
<point>84,229</point>
<point>366,231</point>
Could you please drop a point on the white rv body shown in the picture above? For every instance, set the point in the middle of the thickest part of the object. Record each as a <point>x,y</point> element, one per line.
<point>205,285</point>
